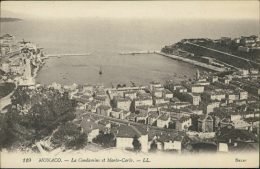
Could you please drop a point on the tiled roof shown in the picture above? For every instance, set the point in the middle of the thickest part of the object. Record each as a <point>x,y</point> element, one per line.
<point>167,91</point>
<point>121,99</point>
<point>205,117</point>
<point>166,137</point>
<point>105,107</point>
<point>88,126</point>
<point>126,112</point>
<point>153,114</point>
<point>100,98</point>
<point>132,115</point>
<point>104,122</point>
<point>130,131</point>
<point>116,110</point>
<point>142,115</point>
<point>183,119</point>
<point>164,117</point>
<point>145,107</point>
<point>226,134</point>
<point>82,100</point>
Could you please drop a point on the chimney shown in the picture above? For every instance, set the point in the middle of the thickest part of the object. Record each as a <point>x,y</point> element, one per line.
<point>91,126</point>
<point>235,144</point>
<point>230,140</point>
<point>147,129</point>
<point>129,124</point>
<point>117,131</point>
<point>119,124</point>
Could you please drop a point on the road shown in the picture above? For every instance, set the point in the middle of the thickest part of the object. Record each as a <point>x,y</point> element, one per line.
<point>224,53</point>
<point>127,122</point>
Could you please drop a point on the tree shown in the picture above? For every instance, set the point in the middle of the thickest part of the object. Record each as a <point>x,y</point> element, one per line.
<point>153,147</point>
<point>124,85</point>
<point>48,109</point>
<point>70,136</point>
<point>136,143</point>
<point>106,140</point>
<point>119,86</point>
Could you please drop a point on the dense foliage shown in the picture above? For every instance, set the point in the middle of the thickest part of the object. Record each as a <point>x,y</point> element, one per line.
<point>153,147</point>
<point>34,115</point>
<point>106,140</point>
<point>137,145</point>
<point>70,136</point>
<point>6,88</point>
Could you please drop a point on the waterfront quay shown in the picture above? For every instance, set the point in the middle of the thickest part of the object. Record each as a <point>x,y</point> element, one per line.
<point>204,65</point>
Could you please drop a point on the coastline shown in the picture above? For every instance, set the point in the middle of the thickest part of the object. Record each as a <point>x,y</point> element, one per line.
<point>193,62</point>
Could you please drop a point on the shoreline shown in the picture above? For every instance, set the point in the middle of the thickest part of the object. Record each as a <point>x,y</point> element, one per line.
<point>193,62</point>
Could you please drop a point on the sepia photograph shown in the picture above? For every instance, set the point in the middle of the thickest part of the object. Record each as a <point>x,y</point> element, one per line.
<point>120,84</point>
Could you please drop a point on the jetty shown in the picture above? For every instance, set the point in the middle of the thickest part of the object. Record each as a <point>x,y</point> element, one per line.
<point>59,55</point>
<point>204,65</point>
<point>138,52</point>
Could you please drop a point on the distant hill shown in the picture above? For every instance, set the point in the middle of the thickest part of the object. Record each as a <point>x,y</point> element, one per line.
<point>10,19</point>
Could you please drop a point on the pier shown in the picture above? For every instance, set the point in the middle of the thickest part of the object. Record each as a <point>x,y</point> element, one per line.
<point>59,55</point>
<point>138,52</point>
<point>192,62</point>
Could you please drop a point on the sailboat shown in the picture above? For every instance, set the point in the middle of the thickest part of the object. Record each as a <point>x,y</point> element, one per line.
<point>100,71</point>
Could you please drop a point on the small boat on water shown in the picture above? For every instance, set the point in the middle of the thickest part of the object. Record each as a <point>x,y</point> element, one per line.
<point>58,56</point>
<point>100,71</point>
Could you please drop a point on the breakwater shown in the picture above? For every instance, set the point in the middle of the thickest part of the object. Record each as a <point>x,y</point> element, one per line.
<point>138,52</point>
<point>59,55</point>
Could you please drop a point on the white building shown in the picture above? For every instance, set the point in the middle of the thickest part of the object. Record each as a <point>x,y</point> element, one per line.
<point>125,135</point>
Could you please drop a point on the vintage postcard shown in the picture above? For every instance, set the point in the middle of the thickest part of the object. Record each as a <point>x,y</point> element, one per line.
<point>147,84</point>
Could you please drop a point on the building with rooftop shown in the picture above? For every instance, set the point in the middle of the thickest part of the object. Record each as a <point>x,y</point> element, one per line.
<point>209,105</point>
<point>92,129</point>
<point>141,118</point>
<point>131,94</point>
<point>205,124</point>
<point>140,101</point>
<point>193,98</point>
<point>104,110</point>
<point>123,103</point>
<point>237,141</point>
<point>125,135</point>
<point>183,123</point>
<point>213,95</point>
<point>123,115</point>
<point>153,85</point>
<point>163,120</point>
<point>116,112</point>
<point>167,94</point>
<point>152,117</point>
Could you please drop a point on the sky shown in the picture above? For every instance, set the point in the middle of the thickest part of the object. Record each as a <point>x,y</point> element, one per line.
<point>133,9</point>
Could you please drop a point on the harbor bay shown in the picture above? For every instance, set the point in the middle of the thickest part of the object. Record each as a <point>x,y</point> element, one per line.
<point>116,69</point>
